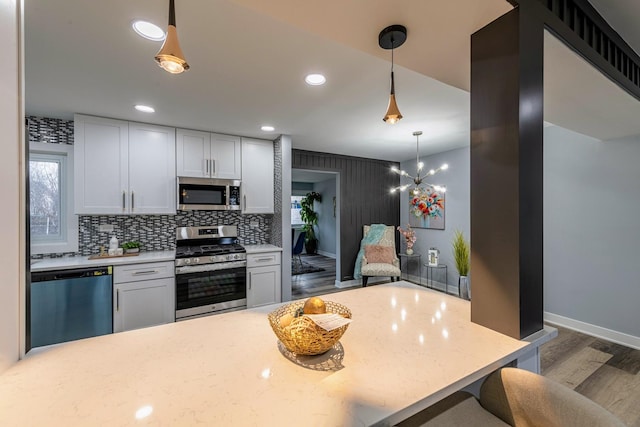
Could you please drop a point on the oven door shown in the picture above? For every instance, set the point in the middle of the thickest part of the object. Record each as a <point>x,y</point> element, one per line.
<point>209,291</point>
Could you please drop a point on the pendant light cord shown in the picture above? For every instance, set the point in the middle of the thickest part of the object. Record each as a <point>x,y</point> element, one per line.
<point>172,13</point>
<point>393,83</point>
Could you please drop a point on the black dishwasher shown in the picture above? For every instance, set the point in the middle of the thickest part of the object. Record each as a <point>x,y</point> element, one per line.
<point>67,305</point>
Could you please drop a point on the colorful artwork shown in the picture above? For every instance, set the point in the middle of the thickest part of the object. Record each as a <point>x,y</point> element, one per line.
<point>426,208</point>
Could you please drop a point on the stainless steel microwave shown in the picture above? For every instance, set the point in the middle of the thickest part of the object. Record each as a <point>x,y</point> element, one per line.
<point>208,194</point>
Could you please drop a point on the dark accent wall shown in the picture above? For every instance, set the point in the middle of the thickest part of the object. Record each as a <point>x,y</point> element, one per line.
<point>364,197</point>
<point>506,174</point>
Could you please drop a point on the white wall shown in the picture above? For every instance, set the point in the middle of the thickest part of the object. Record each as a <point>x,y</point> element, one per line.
<point>326,221</point>
<point>591,230</point>
<point>12,248</point>
<point>457,209</point>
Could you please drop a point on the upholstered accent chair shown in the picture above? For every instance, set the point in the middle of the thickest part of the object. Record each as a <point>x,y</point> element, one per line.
<point>382,260</point>
<point>517,398</point>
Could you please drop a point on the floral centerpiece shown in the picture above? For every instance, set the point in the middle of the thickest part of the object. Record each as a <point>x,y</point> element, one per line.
<point>409,237</point>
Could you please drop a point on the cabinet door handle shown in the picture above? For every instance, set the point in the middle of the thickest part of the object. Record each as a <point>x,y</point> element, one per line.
<point>124,200</point>
<point>141,273</point>
<point>213,167</point>
<point>117,299</point>
<point>132,201</point>
<point>249,280</point>
<point>244,200</point>
<point>206,167</point>
<point>265,259</point>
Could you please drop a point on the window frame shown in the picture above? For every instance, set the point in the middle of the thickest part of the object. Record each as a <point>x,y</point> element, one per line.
<point>68,219</point>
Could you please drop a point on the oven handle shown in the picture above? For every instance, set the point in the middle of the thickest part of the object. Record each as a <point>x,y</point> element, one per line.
<point>185,269</point>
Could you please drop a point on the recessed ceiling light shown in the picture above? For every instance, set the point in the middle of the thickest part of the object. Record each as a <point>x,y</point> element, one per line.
<point>268,128</point>
<point>145,108</point>
<point>315,79</point>
<point>148,30</point>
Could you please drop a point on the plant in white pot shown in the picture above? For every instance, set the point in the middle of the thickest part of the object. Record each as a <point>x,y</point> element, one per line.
<point>131,247</point>
<point>460,249</point>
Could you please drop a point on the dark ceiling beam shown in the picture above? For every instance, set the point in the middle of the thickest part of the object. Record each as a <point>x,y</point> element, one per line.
<point>579,25</point>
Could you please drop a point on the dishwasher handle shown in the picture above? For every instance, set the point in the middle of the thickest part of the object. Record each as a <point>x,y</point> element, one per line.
<point>43,276</point>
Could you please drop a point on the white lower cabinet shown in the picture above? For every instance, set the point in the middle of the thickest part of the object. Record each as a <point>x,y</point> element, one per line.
<point>144,295</point>
<point>263,279</point>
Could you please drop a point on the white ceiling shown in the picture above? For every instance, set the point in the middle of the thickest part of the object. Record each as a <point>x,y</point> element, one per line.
<point>249,59</point>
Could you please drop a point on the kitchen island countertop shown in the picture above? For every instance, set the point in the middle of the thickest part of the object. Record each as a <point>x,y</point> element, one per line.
<point>407,348</point>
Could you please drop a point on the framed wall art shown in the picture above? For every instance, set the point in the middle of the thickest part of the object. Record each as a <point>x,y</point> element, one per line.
<point>426,208</point>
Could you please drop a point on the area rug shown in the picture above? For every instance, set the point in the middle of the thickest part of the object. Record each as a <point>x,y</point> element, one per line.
<point>306,268</point>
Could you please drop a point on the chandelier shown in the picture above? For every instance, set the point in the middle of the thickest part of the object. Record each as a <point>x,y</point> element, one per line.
<point>419,178</point>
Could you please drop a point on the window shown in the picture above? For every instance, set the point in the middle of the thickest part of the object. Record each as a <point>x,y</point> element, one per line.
<point>53,226</point>
<point>295,210</point>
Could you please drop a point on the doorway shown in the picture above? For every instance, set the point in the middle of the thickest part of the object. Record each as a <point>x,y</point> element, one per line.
<point>315,273</point>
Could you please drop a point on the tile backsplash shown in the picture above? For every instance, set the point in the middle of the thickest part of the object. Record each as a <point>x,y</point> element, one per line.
<point>154,232</point>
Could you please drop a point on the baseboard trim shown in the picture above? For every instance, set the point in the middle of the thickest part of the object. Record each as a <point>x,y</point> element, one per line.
<point>593,330</point>
<point>327,254</point>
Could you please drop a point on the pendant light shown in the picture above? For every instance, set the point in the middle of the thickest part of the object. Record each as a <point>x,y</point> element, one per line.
<point>170,57</point>
<point>390,38</point>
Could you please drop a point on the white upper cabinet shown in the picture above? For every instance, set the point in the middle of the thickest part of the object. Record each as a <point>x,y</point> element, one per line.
<point>208,155</point>
<point>100,165</point>
<point>123,167</point>
<point>152,169</point>
<point>257,176</point>
<point>193,150</point>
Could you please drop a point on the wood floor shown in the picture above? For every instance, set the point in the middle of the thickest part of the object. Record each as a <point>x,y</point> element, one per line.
<point>607,373</point>
<point>318,283</point>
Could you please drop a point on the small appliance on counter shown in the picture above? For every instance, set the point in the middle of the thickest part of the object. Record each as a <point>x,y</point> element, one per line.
<point>211,271</point>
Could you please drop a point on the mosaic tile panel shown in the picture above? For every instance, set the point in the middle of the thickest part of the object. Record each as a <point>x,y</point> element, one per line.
<point>51,131</point>
<point>276,236</point>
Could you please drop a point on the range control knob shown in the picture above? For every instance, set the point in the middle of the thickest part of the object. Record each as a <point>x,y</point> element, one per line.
<point>196,260</point>
<point>212,259</point>
<point>187,261</point>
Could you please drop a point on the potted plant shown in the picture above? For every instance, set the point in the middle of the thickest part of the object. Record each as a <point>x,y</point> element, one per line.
<point>131,247</point>
<point>460,248</point>
<point>310,219</point>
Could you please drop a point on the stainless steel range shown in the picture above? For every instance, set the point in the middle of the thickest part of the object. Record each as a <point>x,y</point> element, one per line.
<point>211,271</point>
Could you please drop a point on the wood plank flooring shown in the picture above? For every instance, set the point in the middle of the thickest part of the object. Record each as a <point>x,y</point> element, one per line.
<point>318,283</point>
<point>607,373</point>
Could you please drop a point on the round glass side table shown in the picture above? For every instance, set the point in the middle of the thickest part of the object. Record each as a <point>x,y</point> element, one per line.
<point>439,268</point>
<point>406,264</point>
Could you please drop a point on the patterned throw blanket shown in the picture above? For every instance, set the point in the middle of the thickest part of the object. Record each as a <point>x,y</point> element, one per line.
<point>374,236</point>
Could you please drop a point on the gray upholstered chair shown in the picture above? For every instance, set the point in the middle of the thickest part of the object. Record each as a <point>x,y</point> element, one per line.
<point>391,266</point>
<point>517,398</point>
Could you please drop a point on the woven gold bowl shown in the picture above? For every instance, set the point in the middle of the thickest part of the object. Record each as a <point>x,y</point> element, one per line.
<point>303,336</point>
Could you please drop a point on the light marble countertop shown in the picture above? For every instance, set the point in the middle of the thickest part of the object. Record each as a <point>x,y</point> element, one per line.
<point>256,249</point>
<point>407,348</point>
<point>83,261</point>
